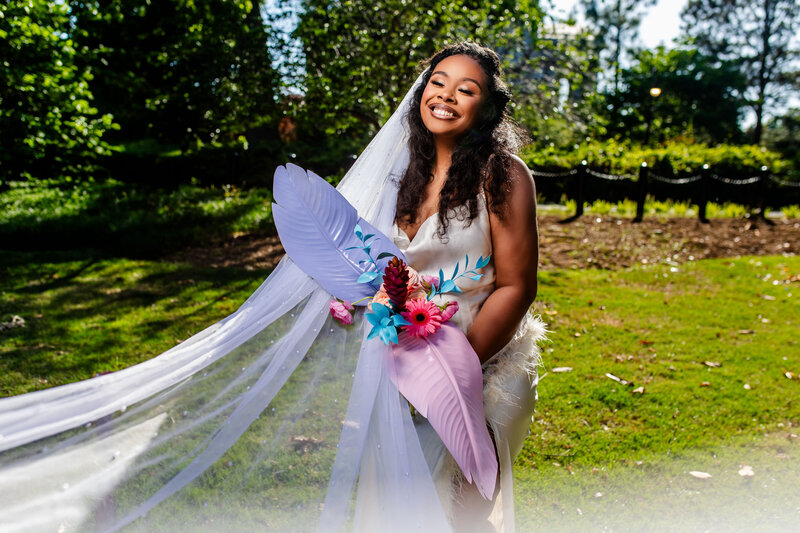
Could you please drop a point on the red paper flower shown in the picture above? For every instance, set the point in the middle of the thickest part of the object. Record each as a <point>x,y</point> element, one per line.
<point>425,317</point>
<point>395,282</point>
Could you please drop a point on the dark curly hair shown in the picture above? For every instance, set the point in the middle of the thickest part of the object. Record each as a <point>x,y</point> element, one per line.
<point>482,158</point>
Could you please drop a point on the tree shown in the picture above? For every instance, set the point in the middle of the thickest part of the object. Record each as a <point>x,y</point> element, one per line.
<point>760,35</point>
<point>186,72</point>
<point>560,107</point>
<point>616,27</point>
<point>49,127</point>
<point>782,134</point>
<point>698,98</point>
<point>360,57</point>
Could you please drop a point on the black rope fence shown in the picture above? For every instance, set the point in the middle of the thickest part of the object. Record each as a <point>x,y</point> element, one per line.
<point>540,174</point>
<point>762,183</point>
<point>784,183</point>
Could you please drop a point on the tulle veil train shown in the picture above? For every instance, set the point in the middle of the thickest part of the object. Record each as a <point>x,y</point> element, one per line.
<point>276,418</point>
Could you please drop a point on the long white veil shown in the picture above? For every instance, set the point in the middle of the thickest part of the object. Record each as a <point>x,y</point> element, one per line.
<point>276,418</point>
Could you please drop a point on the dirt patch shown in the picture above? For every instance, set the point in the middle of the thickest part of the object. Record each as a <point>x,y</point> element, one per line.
<point>590,242</point>
<point>613,242</point>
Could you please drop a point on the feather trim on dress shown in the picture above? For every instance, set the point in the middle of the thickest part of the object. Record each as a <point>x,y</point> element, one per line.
<point>521,356</point>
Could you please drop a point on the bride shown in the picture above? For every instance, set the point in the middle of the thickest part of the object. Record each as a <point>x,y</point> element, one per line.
<point>278,418</point>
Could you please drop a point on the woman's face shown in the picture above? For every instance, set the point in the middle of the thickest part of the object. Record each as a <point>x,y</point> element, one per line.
<point>453,96</point>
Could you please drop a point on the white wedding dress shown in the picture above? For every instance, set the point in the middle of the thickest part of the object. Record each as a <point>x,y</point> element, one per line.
<point>510,376</point>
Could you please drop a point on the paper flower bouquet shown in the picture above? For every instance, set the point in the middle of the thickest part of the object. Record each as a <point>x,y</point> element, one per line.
<point>434,366</point>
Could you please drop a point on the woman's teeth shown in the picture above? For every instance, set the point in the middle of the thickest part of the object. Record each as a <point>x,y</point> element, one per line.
<point>442,113</point>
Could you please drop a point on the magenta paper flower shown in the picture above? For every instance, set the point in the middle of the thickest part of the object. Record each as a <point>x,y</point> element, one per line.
<point>429,281</point>
<point>425,317</point>
<point>449,310</point>
<point>341,311</point>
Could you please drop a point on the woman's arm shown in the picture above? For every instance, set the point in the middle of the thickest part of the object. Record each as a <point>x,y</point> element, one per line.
<point>515,245</point>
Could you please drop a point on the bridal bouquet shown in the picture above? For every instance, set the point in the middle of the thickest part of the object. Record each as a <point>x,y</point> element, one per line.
<point>403,301</point>
<point>432,364</point>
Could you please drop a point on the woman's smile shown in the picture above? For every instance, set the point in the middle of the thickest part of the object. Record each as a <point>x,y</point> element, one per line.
<point>452,99</point>
<point>442,111</point>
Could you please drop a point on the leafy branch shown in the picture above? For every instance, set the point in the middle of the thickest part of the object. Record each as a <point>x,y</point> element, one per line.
<point>449,285</point>
<point>371,273</point>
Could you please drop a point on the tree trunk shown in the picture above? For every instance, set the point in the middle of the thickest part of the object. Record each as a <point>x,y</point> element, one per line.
<point>763,74</point>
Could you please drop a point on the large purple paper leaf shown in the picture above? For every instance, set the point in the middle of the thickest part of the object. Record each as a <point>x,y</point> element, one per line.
<point>441,376</point>
<point>316,226</point>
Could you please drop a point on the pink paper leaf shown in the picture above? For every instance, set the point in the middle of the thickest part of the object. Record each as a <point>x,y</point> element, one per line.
<point>441,376</point>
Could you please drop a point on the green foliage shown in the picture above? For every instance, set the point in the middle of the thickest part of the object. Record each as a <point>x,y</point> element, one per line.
<point>671,158</point>
<point>782,135</point>
<point>667,208</point>
<point>124,219</point>
<point>700,98</point>
<point>759,37</point>
<point>187,73</point>
<point>615,26</point>
<point>361,57</point>
<point>791,211</point>
<point>49,126</point>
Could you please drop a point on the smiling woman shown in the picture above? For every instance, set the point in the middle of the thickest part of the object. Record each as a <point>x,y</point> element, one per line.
<point>279,418</point>
<point>464,192</point>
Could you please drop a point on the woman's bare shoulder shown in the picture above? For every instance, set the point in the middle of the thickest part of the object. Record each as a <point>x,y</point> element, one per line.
<point>522,188</point>
<point>519,172</point>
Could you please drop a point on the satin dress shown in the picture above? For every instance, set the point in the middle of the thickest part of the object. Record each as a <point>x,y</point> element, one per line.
<point>510,376</point>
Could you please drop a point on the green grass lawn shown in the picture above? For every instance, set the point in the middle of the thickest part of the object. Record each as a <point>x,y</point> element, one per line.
<point>85,315</point>
<point>705,348</point>
<point>711,343</point>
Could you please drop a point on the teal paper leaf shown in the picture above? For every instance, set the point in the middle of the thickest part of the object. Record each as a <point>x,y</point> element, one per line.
<point>367,277</point>
<point>447,286</point>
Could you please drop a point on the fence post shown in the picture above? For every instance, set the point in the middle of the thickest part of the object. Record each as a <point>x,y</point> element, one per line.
<point>642,186</point>
<point>581,179</point>
<point>763,183</point>
<point>702,201</point>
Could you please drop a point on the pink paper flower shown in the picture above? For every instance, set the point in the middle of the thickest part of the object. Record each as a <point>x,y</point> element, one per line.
<point>341,311</point>
<point>425,317</point>
<point>429,281</point>
<point>449,310</point>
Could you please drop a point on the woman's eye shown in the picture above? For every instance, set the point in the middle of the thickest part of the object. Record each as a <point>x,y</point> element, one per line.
<point>437,83</point>
<point>467,91</point>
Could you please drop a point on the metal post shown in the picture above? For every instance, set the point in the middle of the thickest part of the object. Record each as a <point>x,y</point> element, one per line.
<point>702,201</point>
<point>581,178</point>
<point>642,186</point>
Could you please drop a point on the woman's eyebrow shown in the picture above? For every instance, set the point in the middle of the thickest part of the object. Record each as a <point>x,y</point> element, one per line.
<point>446,75</point>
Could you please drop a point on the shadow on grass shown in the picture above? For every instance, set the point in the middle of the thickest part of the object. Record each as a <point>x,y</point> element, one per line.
<point>84,315</point>
<point>116,219</point>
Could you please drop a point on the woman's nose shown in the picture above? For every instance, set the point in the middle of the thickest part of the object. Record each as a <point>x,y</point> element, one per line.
<point>447,96</point>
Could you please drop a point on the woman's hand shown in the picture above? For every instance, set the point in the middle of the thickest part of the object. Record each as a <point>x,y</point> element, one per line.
<point>515,251</point>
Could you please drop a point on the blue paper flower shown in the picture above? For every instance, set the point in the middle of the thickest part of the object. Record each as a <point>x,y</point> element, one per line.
<point>384,323</point>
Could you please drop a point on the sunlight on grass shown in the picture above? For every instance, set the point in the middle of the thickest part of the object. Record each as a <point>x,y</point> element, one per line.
<point>705,356</point>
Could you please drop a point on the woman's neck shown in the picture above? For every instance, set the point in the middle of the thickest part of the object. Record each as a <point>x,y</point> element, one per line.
<point>444,157</point>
